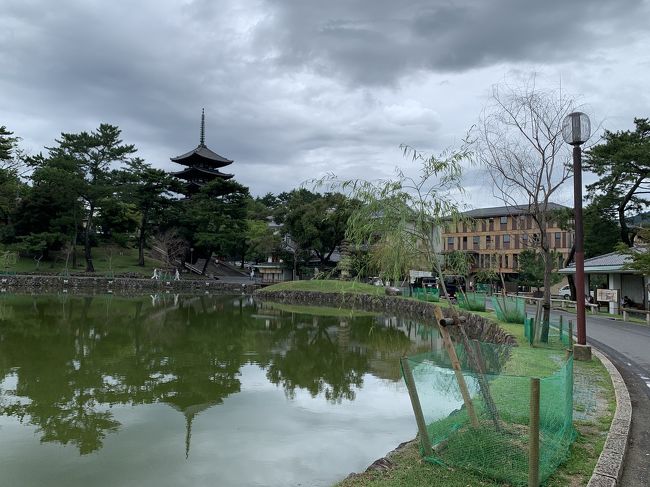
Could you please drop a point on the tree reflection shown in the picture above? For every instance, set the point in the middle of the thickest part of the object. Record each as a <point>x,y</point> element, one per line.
<point>64,361</point>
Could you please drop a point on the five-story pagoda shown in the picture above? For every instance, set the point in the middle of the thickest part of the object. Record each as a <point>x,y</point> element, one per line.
<point>202,164</point>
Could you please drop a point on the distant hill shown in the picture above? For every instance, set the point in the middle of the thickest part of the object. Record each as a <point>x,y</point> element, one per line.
<point>642,219</point>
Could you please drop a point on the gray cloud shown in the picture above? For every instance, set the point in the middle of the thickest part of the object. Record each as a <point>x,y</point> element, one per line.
<point>294,89</point>
<point>377,42</point>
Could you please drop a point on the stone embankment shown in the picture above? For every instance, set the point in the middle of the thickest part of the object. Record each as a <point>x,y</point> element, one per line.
<point>45,283</point>
<point>476,327</point>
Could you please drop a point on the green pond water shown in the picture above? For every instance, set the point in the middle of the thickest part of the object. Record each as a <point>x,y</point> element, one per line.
<point>169,390</point>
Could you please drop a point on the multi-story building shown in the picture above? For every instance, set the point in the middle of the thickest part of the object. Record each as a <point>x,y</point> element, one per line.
<point>496,236</point>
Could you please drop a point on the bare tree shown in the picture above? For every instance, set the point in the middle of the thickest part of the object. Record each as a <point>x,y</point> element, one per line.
<point>519,140</point>
<point>170,247</point>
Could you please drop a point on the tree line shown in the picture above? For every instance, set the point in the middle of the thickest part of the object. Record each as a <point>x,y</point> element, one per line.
<point>90,189</point>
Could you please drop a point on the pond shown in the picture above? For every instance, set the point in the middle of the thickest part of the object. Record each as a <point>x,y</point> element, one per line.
<point>198,390</point>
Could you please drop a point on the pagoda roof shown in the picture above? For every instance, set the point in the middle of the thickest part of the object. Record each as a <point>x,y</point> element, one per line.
<point>202,155</point>
<point>201,173</point>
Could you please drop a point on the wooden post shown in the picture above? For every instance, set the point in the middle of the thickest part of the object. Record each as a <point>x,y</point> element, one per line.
<point>571,334</point>
<point>624,315</point>
<point>455,363</point>
<point>561,327</point>
<point>417,407</point>
<point>533,435</point>
<point>647,318</point>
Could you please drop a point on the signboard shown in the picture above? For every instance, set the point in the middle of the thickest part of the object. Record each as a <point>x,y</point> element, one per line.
<point>607,295</point>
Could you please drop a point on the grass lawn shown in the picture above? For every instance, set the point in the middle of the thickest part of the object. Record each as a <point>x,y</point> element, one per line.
<point>328,286</point>
<point>119,260</point>
<point>594,406</point>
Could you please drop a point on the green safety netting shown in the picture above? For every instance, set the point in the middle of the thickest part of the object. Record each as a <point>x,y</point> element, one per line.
<point>498,447</point>
<point>558,331</point>
<point>509,309</point>
<point>427,294</point>
<point>483,288</point>
<point>471,301</point>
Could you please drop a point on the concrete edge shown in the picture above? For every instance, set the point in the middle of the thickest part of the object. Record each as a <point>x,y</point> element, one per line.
<point>609,467</point>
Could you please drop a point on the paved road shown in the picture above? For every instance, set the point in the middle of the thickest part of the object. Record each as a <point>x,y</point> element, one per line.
<point>627,345</point>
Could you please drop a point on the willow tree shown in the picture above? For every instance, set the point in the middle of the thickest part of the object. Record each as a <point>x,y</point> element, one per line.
<point>519,140</point>
<point>399,221</point>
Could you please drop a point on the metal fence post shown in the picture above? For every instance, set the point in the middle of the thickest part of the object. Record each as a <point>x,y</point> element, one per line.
<point>417,407</point>
<point>533,435</point>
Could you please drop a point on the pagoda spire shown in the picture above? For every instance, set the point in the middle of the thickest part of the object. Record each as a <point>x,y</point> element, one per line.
<point>202,140</point>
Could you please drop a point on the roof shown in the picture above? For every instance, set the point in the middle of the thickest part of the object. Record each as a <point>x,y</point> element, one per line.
<point>202,155</point>
<point>612,262</point>
<point>507,210</point>
<point>192,172</point>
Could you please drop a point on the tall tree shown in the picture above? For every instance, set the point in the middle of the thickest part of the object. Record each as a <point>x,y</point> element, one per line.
<point>96,153</point>
<point>214,219</point>
<point>10,184</point>
<point>519,141</point>
<point>52,205</point>
<point>8,146</point>
<point>532,268</point>
<point>639,255</point>
<point>316,222</point>
<point>622,162</point>
<point>602,233</point>
<point>149,190</point>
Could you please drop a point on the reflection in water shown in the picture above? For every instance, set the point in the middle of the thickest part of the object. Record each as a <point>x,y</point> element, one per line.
<point>66,362</point>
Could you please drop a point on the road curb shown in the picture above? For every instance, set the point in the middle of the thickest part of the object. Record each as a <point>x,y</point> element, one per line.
<point>609,467</point>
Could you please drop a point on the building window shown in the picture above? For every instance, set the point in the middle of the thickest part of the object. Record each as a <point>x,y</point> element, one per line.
<point>450,243</point>
<point>464,243</point>
<point>506,242</point>
<point>491,224</point>
<point>488,242</point>
<point>506,262</point>
<point>558,240</point>
<point>483,226</point>
<point>476,241</point>
<point>503,223</point>
<point>524,240</point>
<point>515,261</point>
<point>497,241</point>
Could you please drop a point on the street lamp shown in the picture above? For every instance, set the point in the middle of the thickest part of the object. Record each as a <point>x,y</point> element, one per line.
<point>576,129</point>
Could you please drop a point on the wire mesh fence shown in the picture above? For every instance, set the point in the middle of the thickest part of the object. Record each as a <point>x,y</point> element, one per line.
<point>509,309</point>
<point>427,294</point>
<point>495,443</point>
<point>559,332</point>
<point>471,301</point>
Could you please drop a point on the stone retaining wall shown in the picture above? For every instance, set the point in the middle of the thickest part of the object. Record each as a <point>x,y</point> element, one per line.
<point>476,327</point>
<point>118,284</point>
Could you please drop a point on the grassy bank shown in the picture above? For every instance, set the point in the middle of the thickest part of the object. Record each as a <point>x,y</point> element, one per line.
<point>107,260</point>
<point>594,406</point>
<point>327,286</point>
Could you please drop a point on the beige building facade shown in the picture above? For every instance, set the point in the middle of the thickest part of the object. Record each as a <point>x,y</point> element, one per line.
<point>495,237</point>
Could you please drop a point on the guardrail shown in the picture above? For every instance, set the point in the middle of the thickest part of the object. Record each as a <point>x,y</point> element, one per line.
<point>627,311</point>
<point>564,303</point>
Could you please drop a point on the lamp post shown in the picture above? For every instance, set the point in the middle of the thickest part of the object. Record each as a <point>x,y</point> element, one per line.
<point>576,129</point>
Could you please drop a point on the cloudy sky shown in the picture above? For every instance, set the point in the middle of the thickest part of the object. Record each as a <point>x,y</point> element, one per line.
<point>295,88</point>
